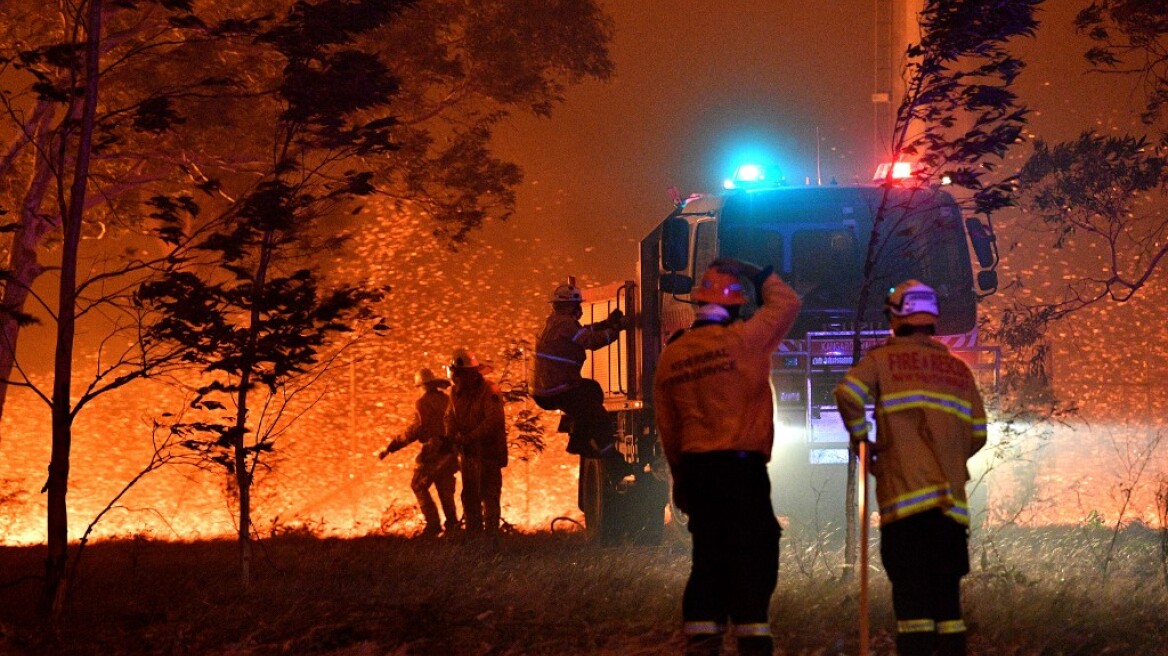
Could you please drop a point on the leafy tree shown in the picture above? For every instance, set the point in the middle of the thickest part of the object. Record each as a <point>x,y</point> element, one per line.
<point>1099,193</point>
<point>149,99</point>
<point>68,75</point>
<point>527,436</point>
<point>1130,38</point>
<point>958,117</point>
<point>129,140</point>
<point>246,306</point>
<point>188,99</point>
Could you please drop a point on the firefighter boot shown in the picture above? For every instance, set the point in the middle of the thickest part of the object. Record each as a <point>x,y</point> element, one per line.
<point>755,646</point>
<point>451,527</point>
<point>430,513</point>
<point>951,644</point>
<point>921,643</point>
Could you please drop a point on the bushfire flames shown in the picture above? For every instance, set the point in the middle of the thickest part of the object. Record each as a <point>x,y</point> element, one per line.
<point>322,479</point>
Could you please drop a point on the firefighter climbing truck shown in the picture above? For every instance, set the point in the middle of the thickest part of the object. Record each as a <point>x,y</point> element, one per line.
<point>817,239</point>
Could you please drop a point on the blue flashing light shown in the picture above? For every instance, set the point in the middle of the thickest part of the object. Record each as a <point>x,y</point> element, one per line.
<point>752,176</point>
<point>750,173</point>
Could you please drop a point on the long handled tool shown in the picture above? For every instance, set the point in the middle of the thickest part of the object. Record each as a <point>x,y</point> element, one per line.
<point>862,490</point>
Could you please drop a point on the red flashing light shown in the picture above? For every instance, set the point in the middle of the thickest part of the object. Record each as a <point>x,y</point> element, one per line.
<point>899,171</point>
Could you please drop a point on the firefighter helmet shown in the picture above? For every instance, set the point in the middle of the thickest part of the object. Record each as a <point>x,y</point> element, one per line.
<point>912,302</point>
<point>568,293</point>
<point>425,376</point>
<point>464,358</point>
<point>721,288</point>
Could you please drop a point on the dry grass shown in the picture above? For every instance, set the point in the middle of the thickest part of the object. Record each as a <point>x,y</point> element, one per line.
<point>1032,592</point>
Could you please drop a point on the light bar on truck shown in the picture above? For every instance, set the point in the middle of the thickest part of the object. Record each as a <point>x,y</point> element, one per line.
<point>900,171</point>
<point>751,176</point>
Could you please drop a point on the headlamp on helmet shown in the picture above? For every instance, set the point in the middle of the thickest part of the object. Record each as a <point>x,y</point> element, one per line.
<point>721,288</point>
<point>912,298</point>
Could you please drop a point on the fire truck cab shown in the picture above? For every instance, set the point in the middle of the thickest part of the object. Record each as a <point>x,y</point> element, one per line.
<point>817,239</point>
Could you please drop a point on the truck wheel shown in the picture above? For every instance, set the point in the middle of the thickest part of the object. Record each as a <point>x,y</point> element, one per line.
<point>591,495</point>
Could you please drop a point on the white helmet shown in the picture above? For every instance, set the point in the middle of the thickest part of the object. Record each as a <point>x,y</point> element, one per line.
<point>912,302</point>
<point>567,294</point>
<point>425,376</point>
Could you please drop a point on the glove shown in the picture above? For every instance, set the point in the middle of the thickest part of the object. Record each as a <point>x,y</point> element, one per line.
<point>392,447</point>
<point>615,319</point>
<point>758,279</point>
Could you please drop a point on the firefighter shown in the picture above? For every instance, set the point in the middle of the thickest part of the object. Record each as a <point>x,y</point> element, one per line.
<point>714,407</point>
<point>476,422</point>
<point>929,421</point>
<point>558,385</point>
<point>437,462</point>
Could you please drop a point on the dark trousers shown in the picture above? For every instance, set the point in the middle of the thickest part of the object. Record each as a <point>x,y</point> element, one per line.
<point>441,476</point>
<point>482,489</point>
<point>727,495</point>
<point>593,427</point>
<point>925,556</point>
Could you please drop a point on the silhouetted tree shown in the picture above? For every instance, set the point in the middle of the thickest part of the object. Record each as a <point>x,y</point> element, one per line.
<point>151,99</point>
<point>68,88</point>
<point>958,117</point>
<point>1100,191</point>
<point>188,99</point>
<point>1132,40</point>
<point>246,303</point>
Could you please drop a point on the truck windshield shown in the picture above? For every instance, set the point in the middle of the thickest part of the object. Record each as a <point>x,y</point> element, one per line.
<point>817,238</point>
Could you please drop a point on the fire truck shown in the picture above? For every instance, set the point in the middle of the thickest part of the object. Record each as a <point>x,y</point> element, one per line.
<point>816,238</point>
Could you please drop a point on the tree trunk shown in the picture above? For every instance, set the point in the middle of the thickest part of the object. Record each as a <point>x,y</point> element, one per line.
<point>870,257</point>
<point>243,480</point>
<point>242,469</point>
<point>58,483</point>
<point>24,269</point>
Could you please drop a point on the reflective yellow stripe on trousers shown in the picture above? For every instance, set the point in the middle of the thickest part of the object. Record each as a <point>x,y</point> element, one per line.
<point>747,630</point>
<point>951,626</point>
<point>702,628</point>
<point>915,626</point>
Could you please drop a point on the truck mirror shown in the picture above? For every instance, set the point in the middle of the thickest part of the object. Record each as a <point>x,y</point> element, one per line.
<point>987,281</point>
<point>675,244</point>
<point>983,242</point>
<point>676,283</point>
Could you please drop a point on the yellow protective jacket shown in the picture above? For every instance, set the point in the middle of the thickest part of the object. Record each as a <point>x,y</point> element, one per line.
<point>560,352</point>
<point>930,420</point>
<point>476,421</point>
<point>712,388</point>
<point>428,427</point>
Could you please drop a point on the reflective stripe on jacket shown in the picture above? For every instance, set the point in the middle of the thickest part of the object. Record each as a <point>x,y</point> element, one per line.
<point>560,352</point>
<point>930,420</point>
<point>712,387</point>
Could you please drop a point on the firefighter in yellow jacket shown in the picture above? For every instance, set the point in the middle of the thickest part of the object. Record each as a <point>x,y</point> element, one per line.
<point>713,401</point>
<point>929,421</point>
<point>477,423</point>
<point>437,462</point>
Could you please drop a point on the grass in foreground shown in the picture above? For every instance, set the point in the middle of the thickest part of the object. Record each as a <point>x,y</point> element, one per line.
<point>1032,592</point>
